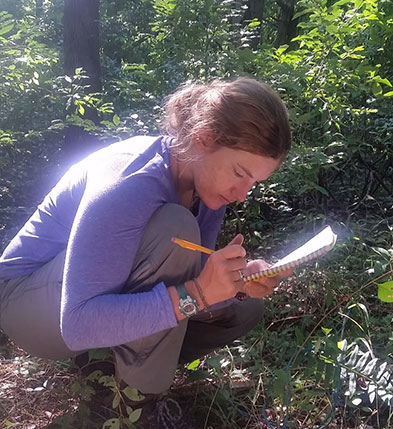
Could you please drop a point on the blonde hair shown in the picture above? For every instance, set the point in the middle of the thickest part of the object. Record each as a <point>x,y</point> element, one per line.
<point>240,114</point>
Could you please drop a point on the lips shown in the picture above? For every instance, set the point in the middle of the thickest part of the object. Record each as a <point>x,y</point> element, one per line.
<point>226,201</point>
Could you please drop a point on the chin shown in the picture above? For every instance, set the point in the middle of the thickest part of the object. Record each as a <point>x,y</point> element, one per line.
<point>214,205</point>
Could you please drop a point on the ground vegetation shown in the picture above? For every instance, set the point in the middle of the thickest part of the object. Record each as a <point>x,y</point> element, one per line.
<point>323,357</point>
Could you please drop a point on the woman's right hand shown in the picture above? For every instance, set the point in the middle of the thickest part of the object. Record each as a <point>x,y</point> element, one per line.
<point>220,278</point>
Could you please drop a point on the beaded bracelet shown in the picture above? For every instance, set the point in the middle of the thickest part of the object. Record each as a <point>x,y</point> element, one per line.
<point>198,286</point>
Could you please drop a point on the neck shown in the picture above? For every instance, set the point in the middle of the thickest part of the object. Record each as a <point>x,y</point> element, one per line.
<point>183,179</point>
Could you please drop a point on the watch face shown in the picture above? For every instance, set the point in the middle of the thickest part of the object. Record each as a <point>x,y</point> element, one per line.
<point>189,308</point>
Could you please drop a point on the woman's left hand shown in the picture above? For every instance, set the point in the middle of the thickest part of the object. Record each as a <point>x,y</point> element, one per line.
<point>265,285</point>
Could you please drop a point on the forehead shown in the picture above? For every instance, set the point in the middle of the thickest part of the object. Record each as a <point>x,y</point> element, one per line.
<point>257,167</point>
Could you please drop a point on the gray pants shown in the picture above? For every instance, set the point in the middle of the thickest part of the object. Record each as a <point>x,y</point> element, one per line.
<point>30,308</point>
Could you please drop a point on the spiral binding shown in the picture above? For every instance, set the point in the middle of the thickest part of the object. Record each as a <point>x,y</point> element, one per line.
<point>273,271</point>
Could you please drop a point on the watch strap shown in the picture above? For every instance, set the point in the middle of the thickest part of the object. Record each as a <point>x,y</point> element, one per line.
<point>188,306</point>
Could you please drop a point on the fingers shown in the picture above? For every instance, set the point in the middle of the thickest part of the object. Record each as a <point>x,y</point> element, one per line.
<point>286,273</point>
<point>237,276</point>
<point>263,287</point>
<point>234,248</point>
<point>237,240</point>
<point>232,251</point>
<point>257,290</point>
<point>235,264</point>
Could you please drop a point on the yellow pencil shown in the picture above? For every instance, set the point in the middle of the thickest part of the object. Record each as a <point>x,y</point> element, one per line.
<point>191,246</point>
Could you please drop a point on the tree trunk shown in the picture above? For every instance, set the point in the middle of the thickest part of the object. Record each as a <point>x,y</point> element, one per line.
<point>38,8</point>
<point>286,30</point>
<point>255,9</point>
<point>81,40</point>
<point>81,49</point>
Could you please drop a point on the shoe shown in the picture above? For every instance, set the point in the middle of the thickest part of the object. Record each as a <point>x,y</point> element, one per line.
<point>86,365</point>
<point>163,413</point>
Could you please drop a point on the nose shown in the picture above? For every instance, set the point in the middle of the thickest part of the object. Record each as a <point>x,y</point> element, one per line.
<point>240,194</point>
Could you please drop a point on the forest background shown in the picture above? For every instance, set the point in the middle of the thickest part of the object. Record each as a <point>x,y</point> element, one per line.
<point>76,76</point>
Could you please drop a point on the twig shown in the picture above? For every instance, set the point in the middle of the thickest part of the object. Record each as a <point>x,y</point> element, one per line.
<point>300,316</point>
<point>210,407</point>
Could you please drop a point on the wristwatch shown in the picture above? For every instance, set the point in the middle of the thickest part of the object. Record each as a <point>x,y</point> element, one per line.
<point>187,305</point>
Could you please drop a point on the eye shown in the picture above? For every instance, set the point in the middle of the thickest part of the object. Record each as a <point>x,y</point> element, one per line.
<point>238,174</point>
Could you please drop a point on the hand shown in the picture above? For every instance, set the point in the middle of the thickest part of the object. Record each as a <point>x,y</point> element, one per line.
<point>220,278</point>
<point>265,285</point>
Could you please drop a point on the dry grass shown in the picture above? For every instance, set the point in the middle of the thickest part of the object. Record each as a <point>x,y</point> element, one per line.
<point>33,392</point>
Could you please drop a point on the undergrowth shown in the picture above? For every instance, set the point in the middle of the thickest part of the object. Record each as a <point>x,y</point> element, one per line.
<point>322,357</point>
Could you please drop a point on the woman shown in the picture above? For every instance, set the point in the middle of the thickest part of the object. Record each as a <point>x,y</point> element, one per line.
<point>94,266</point>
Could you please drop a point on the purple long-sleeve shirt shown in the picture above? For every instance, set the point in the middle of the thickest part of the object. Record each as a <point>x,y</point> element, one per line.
<point>98,212</point>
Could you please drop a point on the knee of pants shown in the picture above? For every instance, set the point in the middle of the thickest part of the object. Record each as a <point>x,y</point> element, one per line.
<point>249,312</point>
<point>174,220</point>
<point>158,259</point>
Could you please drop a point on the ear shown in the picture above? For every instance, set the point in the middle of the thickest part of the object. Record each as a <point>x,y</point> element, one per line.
<point>204,142</point>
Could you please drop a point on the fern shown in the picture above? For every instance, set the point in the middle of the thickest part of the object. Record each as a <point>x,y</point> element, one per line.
<point>363,374</point>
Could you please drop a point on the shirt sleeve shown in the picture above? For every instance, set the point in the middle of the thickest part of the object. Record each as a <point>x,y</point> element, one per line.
<point>104,239</point>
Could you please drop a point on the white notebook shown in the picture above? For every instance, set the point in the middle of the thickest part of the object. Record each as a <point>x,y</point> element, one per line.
<point>315,247</point>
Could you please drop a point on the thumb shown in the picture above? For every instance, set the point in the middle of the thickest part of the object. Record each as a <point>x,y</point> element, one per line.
<point>237,240</point>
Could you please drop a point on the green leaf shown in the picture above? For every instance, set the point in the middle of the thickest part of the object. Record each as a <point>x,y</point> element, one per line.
<point>6,28</point>
<point>351,384</point>
<point>385,81</point>
<point>320,189</point>
<point>299,336</point>
<point>81,110</point>
<point>126,424</point>
<point>376,88</point>
<point>279,384</point>
<point>254,23</point>
<point>215,362</point>
<point>194,365</point>
<point>302,12</point>
<point>116,120</point>
<point>107,381</point>
<point>135,415</point>
<point>95,375</point>
<point>111,424</point>
<point>362,361</point>
<point>370,367</point>
<point>354,355</point>
<point>326,330</point>
<point>116,401</point>
<point>281,49</point>
<point>388,94</point>
<point>133,394</point>
<point>8,424</point>
<point>140,67</point>
<point>385,291</point>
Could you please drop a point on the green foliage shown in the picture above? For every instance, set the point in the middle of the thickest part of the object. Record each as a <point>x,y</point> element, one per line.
<point>28,67</point>
<point>315,358</point>
<point>385,291</point>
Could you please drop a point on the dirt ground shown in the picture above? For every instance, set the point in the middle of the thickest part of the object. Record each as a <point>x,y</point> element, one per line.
<point>32,390</point>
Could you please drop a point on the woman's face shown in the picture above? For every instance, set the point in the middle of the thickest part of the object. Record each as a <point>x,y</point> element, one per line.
<point>224,175</point>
